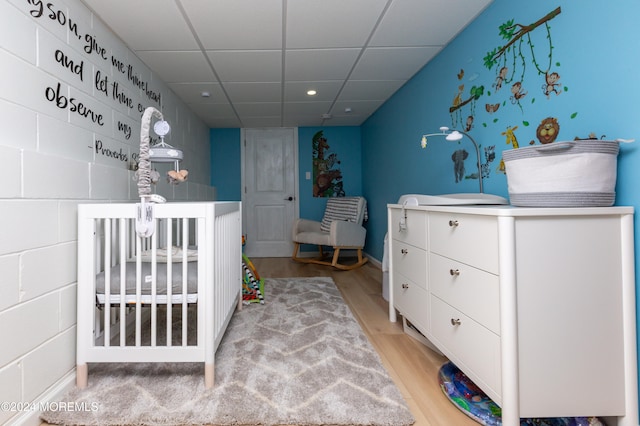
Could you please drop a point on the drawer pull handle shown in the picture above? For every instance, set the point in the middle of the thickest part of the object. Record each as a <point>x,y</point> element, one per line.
<point>454,272</point>
<point>455,321</point>
<point>404,251</point>
<point>453,223</point>
<point>405,286</point>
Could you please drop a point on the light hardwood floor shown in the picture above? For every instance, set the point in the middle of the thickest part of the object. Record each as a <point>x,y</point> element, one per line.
<point>413,366</point>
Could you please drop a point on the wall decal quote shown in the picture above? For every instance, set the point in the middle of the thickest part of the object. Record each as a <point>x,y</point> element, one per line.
<point>112,89</point>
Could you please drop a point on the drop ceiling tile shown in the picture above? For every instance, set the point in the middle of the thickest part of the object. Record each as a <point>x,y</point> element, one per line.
<point>239,51</point>
<point>245,65</point>
<point>254,92</point>
<point>345,120</point>
<point>363,108</point>
<point>236,24</point>
<point>301,120</point>
<point>219,109</point>
<point>370,89</point>
<point>296,91</point>
<point>331,23</point>
<point>425,22</point>
<point>221,113</point>
<point>173,67</point>
<point>306,108</point>
<point>222,123</point>
<point>382,63</point>
<point>257,109</point>
<point>319,64</point>
<point>257,122</point>
<point>192,92</point>
<point>131,20</point>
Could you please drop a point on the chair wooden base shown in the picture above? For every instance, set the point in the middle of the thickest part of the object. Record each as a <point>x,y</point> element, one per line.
<point>334,260</point>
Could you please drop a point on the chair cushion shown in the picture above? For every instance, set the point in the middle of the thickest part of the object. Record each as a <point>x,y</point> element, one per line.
<point>343,208</point>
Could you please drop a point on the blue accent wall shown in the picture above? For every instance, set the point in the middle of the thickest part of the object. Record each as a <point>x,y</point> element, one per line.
<point>226,172</point>
<point>594,47</point>
<point>343,141</point>
<point>596,52</point>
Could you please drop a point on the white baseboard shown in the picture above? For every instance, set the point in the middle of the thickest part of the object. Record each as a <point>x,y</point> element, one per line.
<point>54,393</point>
<point>373,260</point>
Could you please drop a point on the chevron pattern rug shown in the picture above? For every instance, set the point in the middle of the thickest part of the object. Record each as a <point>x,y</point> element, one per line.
<point>299,359</point>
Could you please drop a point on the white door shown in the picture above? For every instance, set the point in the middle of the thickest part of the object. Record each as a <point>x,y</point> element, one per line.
<point>270,190</point>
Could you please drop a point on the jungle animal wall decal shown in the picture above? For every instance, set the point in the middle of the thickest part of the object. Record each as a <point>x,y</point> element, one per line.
<point>510,61</point>
<point>327,178</point>
<point>548,130</point>
<point>523,69</point>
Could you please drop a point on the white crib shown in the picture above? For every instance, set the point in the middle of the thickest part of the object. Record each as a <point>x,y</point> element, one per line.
<point>126,310</point>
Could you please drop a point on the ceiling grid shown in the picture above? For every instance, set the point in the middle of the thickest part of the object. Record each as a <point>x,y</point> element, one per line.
<point>256,59</point>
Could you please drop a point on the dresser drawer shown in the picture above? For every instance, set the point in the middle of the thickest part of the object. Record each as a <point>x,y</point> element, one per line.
<point>411,262</point>
<point>469,239</point>
<point>414,231</point>
<point>472,347</point>
<point>472,291</point>
<point>412,301</point>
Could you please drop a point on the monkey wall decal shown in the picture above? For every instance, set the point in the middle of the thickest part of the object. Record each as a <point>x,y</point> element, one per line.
<point>552,81</point>
<point>469,124</point>
<point>517,92</point>
<point>501,77</point>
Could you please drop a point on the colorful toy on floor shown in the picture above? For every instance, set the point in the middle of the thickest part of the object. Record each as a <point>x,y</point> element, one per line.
<point>476,404</point>
<point>252,285</point>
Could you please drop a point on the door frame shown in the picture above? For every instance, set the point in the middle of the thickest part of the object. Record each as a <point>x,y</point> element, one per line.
<point>296,177</point>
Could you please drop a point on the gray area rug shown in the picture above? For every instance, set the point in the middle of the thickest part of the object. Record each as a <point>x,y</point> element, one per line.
<point>299,359</point>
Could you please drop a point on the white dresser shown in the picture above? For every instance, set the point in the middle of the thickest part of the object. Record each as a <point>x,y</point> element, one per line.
<point>535,305</point>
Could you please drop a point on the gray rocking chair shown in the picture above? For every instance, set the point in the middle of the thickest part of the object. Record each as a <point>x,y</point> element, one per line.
<point>341,228</point>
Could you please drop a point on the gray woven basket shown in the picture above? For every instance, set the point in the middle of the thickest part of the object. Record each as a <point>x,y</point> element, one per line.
<point>578,173</point>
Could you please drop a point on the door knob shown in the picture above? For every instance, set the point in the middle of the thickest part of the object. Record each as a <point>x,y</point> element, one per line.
<point>289,198</point>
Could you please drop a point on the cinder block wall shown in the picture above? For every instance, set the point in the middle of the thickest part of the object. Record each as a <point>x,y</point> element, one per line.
<point>64,141</point>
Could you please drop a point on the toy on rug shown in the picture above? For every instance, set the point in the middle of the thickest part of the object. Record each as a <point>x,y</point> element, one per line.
<point>252,284</point>
<point>470,399</point>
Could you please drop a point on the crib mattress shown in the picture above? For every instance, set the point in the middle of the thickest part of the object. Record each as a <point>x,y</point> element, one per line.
<point>146,283</point>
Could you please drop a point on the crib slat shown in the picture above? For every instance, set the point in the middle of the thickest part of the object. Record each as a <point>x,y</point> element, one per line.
<point>107,282</point>
<point>185,244</point>
<point>138,334</point>
<point>169,309</point>
<point>154,287</point>
<point>123,283</point>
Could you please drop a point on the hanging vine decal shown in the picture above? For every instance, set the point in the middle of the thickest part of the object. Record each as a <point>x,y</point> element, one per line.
<point>456,115</point>
<point>511,58</point>
<point>515,32</point>
<point>521,68</point>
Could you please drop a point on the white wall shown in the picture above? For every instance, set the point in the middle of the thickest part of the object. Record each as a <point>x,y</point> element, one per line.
<point>55,156</point>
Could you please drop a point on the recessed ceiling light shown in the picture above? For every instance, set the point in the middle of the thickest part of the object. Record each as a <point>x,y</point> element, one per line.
<point>311,92</point>
<point>205,94</point>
